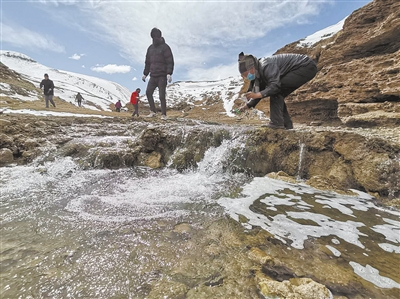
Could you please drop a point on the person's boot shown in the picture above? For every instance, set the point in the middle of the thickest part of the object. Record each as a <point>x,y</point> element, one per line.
<point>273,126</point>
<point>289,125</point>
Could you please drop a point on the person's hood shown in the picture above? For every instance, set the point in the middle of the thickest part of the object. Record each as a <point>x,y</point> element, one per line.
<point>158,41</point>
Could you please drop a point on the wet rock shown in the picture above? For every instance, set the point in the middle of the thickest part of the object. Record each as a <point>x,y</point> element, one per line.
<point>6,140</point>
<point>106,159</point>
<point>153,160</point>
<point>6,156</point>
<point>183,228</point>
<point>296,288</point>
<point>281,175</point>
<point>258,255</point>
<point>168,289</point>
<point>330,183</point>
<point>4,122</point>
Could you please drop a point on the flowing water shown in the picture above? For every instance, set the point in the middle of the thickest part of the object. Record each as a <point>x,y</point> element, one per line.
<point>72,232</point>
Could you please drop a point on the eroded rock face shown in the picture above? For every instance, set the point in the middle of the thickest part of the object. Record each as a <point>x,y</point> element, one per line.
<point>326,160</point>
<point>359,70</point>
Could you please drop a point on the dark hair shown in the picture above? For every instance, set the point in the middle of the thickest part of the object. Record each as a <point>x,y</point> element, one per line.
<point>46,75</point>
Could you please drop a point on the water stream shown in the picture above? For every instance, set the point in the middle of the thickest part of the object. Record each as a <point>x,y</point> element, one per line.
<point>72,232</point>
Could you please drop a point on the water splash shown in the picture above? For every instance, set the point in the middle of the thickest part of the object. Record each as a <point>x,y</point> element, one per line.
<point>302,154</point>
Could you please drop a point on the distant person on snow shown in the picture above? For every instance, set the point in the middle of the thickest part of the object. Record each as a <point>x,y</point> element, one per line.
<point>48,90</point>
<point>118,106</point>
<point>135,102</point>
<point>159,64</point>
<point>79,98</point>
<point>276,76</point>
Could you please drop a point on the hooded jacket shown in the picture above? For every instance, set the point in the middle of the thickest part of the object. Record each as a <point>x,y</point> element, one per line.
<point>48,87</point>
<point>159,59</point>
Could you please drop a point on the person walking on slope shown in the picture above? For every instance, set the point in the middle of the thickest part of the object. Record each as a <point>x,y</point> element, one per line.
<point>276,76</point>
<point>79,98</point>
<point>118,106</point>
<point>135,102</point>
<point>159,64</point>
<point>48,90</point>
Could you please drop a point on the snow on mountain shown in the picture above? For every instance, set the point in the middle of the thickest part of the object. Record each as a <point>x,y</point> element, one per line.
<point>102,92</point>
<point>98,93</point>
<point>204,93</point>
<point>321,34</point>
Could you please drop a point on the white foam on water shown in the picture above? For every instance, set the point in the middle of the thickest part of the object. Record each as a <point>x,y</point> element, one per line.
<point>283,227</point>
<point>299,221</point>
<point>391,231</point>
<point>389,247</point>
<point>134,198</point>
<point>345,230</point>
<point>335,252</point>
<point>372,275</point>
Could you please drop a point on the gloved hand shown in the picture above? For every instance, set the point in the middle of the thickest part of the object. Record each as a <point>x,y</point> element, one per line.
<point>169,78</point>
<point>144,78</point>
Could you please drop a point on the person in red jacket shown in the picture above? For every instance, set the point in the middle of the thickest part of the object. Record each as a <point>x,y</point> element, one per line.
<point>135,102</point>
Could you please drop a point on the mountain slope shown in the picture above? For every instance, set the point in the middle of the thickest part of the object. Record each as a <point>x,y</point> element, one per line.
<point>359,70</point>
<point>98,93</point>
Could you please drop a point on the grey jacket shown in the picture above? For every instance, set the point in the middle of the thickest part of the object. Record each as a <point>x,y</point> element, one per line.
<point>271,70</point>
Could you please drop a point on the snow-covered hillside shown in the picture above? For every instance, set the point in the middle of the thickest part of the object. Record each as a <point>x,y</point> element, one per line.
<point>321,34</point>
<point>102,92</point>
<point>98,93</point>
<point>201,93</point>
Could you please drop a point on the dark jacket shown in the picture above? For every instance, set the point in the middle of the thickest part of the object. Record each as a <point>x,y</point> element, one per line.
<point>273,68</point>
<point>159,59</point>
<point>48,87</point>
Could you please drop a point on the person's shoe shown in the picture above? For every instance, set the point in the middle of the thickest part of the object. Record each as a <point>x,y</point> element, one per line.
<point>164,117</point>
<point>289,125</point>
<point>151,114</point>
<point>272,126</point>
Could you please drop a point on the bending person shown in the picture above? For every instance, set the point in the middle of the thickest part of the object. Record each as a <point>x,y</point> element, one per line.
<point>275,77</point>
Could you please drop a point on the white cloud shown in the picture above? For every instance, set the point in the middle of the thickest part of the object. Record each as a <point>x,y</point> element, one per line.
<point>134,79</point>
<point>24,38</point>
<point>111,69</point>
<point>213,30</point>
<point>76,56</point>
<point>198,32</point>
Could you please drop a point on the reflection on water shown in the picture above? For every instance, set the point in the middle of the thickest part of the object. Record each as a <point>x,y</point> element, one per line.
<point>73,233</point>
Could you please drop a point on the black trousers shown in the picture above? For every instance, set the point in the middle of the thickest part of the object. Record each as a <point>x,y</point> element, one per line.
<point>279,114</point>
<point>161,83</point>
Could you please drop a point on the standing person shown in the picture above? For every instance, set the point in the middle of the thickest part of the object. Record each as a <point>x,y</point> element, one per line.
<point>135,102</point>
<point>118,106</point>
<point>79,98</point>
<point>48,90</point>
<point>159,64</point>
<point>276,76</point>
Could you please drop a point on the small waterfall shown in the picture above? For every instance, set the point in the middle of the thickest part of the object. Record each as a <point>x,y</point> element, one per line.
<point>303,151</point>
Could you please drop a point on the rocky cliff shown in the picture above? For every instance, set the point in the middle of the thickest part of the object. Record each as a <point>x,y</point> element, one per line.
<point>359,71</point>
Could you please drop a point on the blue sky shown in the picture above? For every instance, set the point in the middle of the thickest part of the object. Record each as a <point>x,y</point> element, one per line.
<point>109,39</point>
